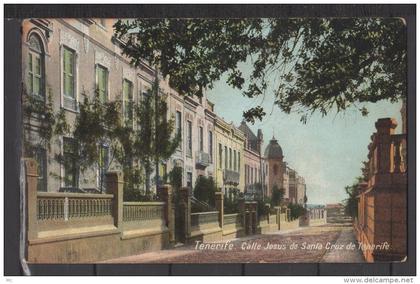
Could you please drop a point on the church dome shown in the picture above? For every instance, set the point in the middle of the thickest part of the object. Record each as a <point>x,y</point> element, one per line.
<point>273,150</point>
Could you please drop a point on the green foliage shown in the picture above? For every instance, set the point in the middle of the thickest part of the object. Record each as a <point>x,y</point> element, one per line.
<point>296,210</point>
<point>276,196</point>
<point>36,108</point>
<point>175,178</point>
<point>231,201</point>
<point>205,189</point>
<point>153,141</point>
<point>351,203</point>
<point>320,64</point>
<point>262,209</point>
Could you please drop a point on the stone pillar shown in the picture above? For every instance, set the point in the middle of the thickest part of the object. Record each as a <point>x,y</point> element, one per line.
<point>115,185</point>
<point>219,206</point>
<point>185,194</point>
<point>31,175</point>
<point>165,195</point>
<point>267,210</point>
<point>385,128</point>
<point>241,203</point>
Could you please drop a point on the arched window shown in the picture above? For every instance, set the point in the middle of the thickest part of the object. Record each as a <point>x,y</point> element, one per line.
<point>36,67</point>
<point>275,169</point>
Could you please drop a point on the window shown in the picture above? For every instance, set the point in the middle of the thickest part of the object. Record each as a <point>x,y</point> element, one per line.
<point>36,67</point>
<point>189,179</point>
<point>226,158</point>
<point>189,138</point>
<point>252,175</point>
<point>70,158</point>
<point>275,169</point>
<point>69,73</point>
<point>103,164</point>
<point>128,102</point>
<point>234,160</point>
<point>211,145</point>
<point>200,137</point>
<point>220,156</point>
<point>40,156</point>
<point>102,83</point>
<point>246,174</point>
<point>178,123</point>
<point>230,158</point>
<point>239,161</point>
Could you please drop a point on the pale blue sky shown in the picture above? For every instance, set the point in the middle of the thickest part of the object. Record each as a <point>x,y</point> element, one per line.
<point>327,151</point>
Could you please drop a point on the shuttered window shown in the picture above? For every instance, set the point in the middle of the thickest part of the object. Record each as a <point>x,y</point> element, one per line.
<point>128,102</point>
<point>68,73</point>
<point>102,83</point>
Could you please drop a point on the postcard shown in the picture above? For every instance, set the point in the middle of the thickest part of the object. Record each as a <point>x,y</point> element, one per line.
<point>197,140</point>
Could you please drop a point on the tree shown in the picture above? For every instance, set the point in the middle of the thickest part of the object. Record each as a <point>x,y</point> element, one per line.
<point>276,196</point>
<point>154,141</point>
<point>296,210</point>
<point>205,189</point>
<point>320,64</point>
<point>351,203</point>
<point>93,127</point>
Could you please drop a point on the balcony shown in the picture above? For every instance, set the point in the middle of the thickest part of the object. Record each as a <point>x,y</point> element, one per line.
<point>202,159</point>
<point>230,177</point>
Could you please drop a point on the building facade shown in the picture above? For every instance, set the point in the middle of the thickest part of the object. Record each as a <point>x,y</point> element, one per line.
<point>253,162</point>
<point>276,168</point>
<point>68,59</point>
<point>229,159</point>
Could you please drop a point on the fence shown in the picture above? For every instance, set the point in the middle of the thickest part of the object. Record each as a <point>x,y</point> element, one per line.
<point>66,227</point>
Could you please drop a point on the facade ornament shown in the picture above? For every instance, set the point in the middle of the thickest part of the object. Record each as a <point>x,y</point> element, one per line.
<point>70,41</point>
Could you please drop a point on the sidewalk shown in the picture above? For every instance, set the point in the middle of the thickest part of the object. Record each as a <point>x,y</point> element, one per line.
<point>344,256</point>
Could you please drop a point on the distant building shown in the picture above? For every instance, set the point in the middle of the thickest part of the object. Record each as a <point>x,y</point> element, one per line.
<point>229,159</point>
<point>199,139</point>
<point>253,162</point>
<point>276,168</point>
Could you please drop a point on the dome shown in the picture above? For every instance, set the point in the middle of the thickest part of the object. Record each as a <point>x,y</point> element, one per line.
<point>273,150</point>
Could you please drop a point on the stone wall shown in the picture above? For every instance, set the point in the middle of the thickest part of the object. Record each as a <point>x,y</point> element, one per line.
<point>80,228</point>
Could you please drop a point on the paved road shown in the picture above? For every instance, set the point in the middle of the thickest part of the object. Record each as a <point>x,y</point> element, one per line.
<point>327,243</point>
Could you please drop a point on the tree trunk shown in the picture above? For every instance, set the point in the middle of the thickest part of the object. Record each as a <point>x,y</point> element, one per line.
<point>156,94</point>
<point>147,181</point>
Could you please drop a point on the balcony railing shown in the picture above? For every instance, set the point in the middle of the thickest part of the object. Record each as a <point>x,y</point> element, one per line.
<point>230,177</point>
<point>202,158</point>
<point>387,152</point>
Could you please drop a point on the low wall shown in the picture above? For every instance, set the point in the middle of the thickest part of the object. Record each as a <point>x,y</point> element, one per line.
<point>205,227</point>
<point>286,224</point>
<point>232,226</point>
<point>317,222</point>
<point>81,228</point>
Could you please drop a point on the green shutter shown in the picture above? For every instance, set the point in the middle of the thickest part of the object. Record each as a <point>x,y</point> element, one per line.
<point>68,70</point>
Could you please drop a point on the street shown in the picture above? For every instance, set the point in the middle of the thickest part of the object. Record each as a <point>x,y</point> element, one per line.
<point>327,243</point>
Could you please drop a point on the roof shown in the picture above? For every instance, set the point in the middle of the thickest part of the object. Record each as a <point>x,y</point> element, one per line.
<point>247,131</point>
<point>273,150</point>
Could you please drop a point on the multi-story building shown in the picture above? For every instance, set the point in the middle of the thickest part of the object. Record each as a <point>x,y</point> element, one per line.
<point>68,59</point>
<point>229,159</point>
<point>297,187</point>
<point>253,161</point>
<point>198,139</point>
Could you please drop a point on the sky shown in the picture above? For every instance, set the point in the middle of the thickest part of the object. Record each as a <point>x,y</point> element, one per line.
<point>327,151</point>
